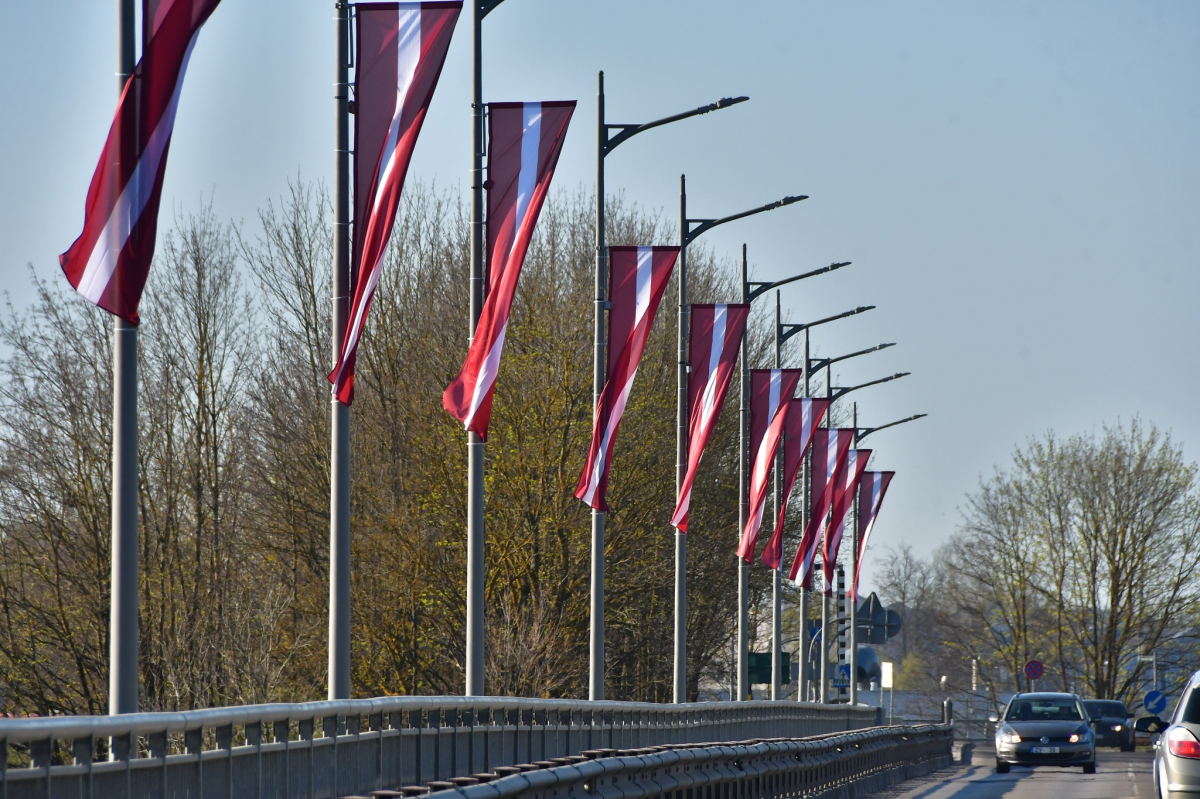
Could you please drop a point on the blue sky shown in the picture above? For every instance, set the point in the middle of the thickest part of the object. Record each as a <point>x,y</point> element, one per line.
<point>1016,183</point>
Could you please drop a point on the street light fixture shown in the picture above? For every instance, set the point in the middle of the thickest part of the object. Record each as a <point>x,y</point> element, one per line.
<point>605,144</point>
<point>821,363</point>
<point>689,231</point>
<point>837,392</point>
<point>862,432</point>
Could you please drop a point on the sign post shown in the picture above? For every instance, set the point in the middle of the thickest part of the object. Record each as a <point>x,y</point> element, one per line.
<point>885,681</point>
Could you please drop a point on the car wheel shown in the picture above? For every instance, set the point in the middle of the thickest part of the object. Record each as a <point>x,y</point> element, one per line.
<point>1001,767</point>
<point>1089,768</point>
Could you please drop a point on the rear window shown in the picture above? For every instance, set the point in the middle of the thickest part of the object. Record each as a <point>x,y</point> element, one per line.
<point>1190,707</point>
<point>1105,708</point>
<point>1043,709</point>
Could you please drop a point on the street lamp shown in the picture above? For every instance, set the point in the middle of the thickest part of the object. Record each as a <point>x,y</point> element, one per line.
<point>605,144</point>
<point>689,231</point>
<point>862,432</point>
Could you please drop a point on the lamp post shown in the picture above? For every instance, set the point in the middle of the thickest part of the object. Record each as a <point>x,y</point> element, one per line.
<point>476,568</point>
<point>783,332</point>
<point>605,144</point>
<point>862,432</point>
<point>689,231</point>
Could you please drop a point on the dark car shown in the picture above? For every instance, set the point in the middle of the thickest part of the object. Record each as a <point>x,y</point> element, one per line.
<point>1177,750</point>
<point>1044,729</point>
<point>1112,722</point>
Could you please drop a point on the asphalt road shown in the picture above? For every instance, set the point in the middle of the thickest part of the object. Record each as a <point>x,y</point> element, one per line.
<point>1119,775</point>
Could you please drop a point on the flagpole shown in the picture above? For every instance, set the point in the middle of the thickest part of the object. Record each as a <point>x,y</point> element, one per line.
<point>743,423</point>
<point>339,448</point>
<point>803,649</point>
<point>824,652</point>
<point>596,628</point>
<point>679,693</point>
<point>853,600</point>
<point>776,577</point>
<point>123,607</point>
<point>475,532</point>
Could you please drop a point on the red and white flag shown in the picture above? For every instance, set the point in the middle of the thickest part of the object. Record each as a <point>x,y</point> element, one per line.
<point>109,262</point>
<point>802,421</point>
<point>524,141</point>
<point>871,488</point>
<point>843,498</point>
<point>829,449</point>
<point>401,49</point>
<point>715,336</point>
<point>638,277</point>
<point>771,393</point>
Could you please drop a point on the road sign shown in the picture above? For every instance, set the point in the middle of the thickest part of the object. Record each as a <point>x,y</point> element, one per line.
<point>1034,669</point>
<point>841,677</point>
<point>760,667</point>
<point>1155,702</point>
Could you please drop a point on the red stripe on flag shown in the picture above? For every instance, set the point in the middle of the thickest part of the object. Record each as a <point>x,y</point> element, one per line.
<point>771,393</point>
<point>638,279</point>
<point>802,421</point>
<point>829,449</point>
<point>872,487</point>
<point>401,50</point>
<point>856,462</point>
<point>516,191</point>
<point>715,335</point>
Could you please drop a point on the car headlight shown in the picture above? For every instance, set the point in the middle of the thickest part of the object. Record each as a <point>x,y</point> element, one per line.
<point>1074,738</point>
<point>1008,735</point>
<point>1117,728</point>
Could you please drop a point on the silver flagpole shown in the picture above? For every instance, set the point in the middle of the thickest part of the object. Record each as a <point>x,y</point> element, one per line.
<point>679,694</point>
<point>599,364</point>
<point>776,577</point>
<point>123,608</point>
<point>339,445</point>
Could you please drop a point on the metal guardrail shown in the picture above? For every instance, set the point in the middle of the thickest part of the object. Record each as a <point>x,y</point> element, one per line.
<point>320,750</point>
<point>841,765</point>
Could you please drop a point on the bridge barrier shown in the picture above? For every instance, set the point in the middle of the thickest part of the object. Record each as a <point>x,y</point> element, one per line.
<point>839,766</point>
<point>321,750</point>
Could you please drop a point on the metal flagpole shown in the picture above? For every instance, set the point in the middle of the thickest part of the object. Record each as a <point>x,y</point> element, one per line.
<point>776,576</point>
<point>803,649</point>
<point>743,480</point>
<point>599,368</point>
<point>852,602</point>
<point>475,562</point>
<point>123,608</point>
<point>339,449</point>
<point>679,693</point>
<point>822,649</point>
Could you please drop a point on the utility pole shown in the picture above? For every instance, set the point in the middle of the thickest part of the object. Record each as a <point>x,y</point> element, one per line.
<point>123,608</point>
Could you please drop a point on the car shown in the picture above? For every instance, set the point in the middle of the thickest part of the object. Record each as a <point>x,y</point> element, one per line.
<point>1112,722</point>
<point>1044,729</point>
<point>1177,750</point>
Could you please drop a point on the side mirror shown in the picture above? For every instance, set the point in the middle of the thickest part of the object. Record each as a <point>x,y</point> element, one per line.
<point>993,718</point>
<point>1150,724</point>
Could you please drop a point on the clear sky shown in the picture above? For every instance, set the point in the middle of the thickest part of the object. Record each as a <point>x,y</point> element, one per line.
<point>1016,183</point>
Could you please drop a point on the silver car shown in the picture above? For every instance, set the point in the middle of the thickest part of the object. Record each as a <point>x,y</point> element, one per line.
<point>1177,750</point>
<point>1045,729</point>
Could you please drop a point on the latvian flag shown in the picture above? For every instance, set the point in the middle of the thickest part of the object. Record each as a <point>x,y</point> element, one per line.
<point>401,49</point>
<point>715,336</point>
<point>524,141</point>
<point>110,260</point>
<point>802,421</point>
<point>771,393</point>
<point>871,488</point>
<point>638,277</point>
<point>829,450</point>
<point>856,462</point>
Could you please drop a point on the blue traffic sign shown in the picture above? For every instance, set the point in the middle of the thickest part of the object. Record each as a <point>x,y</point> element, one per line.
<point>1155,702</point>
<point>841,677</point>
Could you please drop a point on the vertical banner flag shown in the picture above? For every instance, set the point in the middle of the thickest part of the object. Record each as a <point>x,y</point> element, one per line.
<point>109,262</point>
<point>829,450</point>
<point>715,336</point>
<point>871,488</point>
<point>401,49</point>
<point>843,498</point>
<point>524,140</point>
<point>771,393</point>
<point>802,420</point>
<point>638,277</point>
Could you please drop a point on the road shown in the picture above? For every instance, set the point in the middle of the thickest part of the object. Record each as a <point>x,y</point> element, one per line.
<point>1119,775</point>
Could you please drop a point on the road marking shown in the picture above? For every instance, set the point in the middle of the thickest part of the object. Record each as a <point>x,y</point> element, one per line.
<point>1132,780</point>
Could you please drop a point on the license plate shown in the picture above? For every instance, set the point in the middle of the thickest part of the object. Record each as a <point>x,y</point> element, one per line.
<point>1044,750</point>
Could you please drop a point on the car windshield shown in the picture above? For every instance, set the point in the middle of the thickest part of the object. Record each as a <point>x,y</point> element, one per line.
<point>1105,708</point>
<point>1044,709</point>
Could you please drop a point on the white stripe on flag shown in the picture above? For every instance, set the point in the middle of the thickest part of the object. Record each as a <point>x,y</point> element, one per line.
<point>487,376</point>
<point>531,141</point>
<point>645,270</point>
<point>709,398</point>
<point>102,260</point>
<point>408,54</point>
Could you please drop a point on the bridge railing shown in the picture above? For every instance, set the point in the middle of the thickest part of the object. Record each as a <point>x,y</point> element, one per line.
<point>317,750</point>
